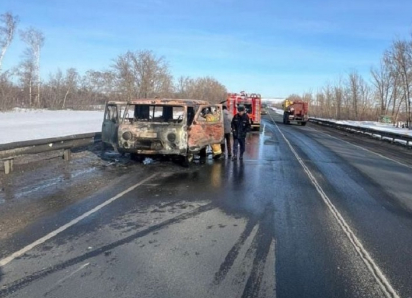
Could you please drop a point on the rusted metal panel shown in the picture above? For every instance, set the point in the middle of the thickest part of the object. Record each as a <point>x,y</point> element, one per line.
<point>118,103</point>
<point>111,119</point>
<point>153,137</point>
<point>203,133</point>
<point>167,101</point>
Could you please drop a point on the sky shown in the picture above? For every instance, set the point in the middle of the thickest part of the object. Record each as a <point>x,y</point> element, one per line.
<point>271,47</point>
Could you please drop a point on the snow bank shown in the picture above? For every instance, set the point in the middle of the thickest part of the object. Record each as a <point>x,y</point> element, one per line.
<point>277,111</point>
<point>373,125</point>
<point>23,125</point>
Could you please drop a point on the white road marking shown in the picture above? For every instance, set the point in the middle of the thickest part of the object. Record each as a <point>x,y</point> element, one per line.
<point>29,247</point>
<point>363,148</point>
<point>376,272</point>
<point>54,287</point>
<point>73,273</point>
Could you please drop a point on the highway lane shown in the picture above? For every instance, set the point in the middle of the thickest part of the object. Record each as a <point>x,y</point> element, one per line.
<point>263,227</point>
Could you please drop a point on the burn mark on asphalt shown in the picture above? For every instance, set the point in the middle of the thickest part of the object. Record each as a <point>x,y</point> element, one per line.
<point>233,253</point>
<point>262,242</point>
<point>260,246</point>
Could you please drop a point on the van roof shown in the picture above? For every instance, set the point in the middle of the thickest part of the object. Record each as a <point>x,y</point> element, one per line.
<point>169,101</point>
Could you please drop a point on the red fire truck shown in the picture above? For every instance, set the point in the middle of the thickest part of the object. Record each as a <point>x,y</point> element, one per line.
<point>252,103</point>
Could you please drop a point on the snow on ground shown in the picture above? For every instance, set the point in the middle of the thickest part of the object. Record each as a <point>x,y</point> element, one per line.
<point>373,125</point>
<point>277,111</point>
<point>22,125</point>
<point>366,124</point>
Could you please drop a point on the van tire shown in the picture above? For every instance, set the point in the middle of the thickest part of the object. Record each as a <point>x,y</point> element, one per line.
<point>103,149</point>
<point>187,160</point>
<point>136,157</point>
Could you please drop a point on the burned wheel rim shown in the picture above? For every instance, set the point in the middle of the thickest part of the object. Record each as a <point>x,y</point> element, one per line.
<point>189,157</point>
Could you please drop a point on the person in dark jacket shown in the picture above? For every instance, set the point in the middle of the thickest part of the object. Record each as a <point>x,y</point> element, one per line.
<point>227,126</point>
<point>240,127</point>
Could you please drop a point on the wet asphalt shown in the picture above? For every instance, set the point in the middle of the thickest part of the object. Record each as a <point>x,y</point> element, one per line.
<point>252,228</point>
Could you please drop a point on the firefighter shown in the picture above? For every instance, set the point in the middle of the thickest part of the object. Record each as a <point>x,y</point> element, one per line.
<point>217,151</point>
<point>240,127</point>
<point>227,119</point>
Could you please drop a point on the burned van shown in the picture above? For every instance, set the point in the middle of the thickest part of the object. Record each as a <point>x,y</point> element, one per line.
<point>162,127</point>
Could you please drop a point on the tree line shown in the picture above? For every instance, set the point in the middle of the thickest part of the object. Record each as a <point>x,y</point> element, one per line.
<point>134,74</point>
<point>386,95</point>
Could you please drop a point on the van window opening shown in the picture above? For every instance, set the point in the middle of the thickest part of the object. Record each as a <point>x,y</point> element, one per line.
<point>155,113</point>
<point>111,113</point>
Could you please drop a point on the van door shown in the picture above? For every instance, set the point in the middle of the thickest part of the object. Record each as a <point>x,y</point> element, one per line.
<point>111,124</point>
<point>207,127</point>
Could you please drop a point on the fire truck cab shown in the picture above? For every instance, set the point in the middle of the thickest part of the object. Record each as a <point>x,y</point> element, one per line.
<point>252,103</point>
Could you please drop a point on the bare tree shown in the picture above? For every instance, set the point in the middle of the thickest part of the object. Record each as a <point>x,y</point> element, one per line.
<point>70,82</point>
<point>27,77</point>
<point>353,85</point>
<point>182,86</point>
<point>339,98</point>
<point>401,54</point>
<point>382,80</point>
<point>152,74</point>
<point>35,41</point>
<point>143,74</point>
<point>8,24</point>
<point>53,90</point>
<point>9,93</point>
<point>125,75</point>
<point>205,88</point>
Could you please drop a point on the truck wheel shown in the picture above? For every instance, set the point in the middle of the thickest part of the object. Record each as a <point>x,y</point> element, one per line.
<point>303,123</point>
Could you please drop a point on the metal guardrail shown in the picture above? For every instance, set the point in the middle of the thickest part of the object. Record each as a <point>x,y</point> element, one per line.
<point>392,136</point>
<point>9,151</point>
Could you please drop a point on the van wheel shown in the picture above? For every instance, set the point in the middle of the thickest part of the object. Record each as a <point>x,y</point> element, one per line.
<point>122,153</point>
<point>136,157</point>
<point>103,149</point>
<point>187,160</point>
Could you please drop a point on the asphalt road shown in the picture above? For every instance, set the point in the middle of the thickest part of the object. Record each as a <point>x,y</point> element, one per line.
<point>304,215</point>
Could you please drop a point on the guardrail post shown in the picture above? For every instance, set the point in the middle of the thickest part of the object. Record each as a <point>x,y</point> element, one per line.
<point>67,154</point>
<point>8,166</point>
